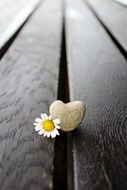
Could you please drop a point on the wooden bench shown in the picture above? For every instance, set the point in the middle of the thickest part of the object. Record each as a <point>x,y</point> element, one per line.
<point>68,50</point>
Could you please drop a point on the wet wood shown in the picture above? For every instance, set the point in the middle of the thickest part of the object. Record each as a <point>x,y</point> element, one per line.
<point>122,2</point>
<point>98,77</point>
<point>114,17</point>
<point>13,15</point>
<point>29,78</point>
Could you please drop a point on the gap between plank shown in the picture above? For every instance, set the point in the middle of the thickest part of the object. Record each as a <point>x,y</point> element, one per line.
<point>63,162</point>
<point>117,43</point>
<point>16,27</point>
<point>121,2</point>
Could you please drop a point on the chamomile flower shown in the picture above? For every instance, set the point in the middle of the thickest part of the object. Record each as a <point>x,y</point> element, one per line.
<point>46,126</point>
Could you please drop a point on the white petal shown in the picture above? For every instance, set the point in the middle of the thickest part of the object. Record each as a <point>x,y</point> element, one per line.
<point>42,115</point>
<point>48,134</point>
<point>57,126</point>
<point>56,132</point>
<point>53,134</point>
<point>56,121</point>
<point>50,117</point>
<point>40,132</point>
<point>45,116</point>
<point>37,128</point>
<point>45,134</point>
<point>35,124</point>
<point>37,119</point>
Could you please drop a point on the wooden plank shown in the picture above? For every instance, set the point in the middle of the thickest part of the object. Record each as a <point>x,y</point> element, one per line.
<point>29,78</point>
<point>114,17</point>
<point>123,2</point>
<point>98,77</point>
<point>12,16</point>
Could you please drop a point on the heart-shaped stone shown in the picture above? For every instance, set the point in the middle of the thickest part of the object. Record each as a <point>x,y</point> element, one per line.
<point>70,114</point>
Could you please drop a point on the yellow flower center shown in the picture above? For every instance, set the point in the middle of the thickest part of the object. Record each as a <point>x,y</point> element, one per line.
<point>48,125</point>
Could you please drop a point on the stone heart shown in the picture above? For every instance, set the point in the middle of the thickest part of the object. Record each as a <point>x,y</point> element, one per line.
<point>70,114</point>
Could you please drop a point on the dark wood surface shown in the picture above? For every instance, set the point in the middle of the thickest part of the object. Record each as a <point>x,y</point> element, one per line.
<point>12,15</point>
<point>98,77</point>
<point>28,85</point>
<point>93,157</point>
<point>114,17</point>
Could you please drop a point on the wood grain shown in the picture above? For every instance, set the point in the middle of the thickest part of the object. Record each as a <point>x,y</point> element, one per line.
<point>12,16</point>
<point>98,77</point>
<point>114,17</point>
<point>28,85</point>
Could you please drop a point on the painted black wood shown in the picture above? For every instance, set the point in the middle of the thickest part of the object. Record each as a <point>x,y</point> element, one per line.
<point>13,15</point>
<point>114,17</point>
<point>28,85</point>
<point>98,77</point>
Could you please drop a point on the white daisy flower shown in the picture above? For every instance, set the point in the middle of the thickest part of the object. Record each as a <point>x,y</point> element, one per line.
<point>46,126</point>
